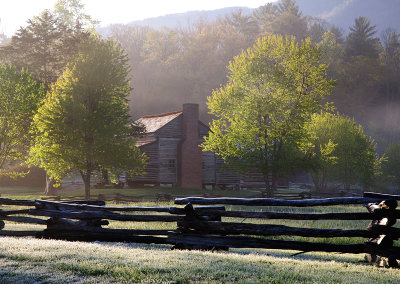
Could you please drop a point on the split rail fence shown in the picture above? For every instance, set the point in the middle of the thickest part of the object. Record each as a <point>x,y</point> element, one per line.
<point>208,226</point>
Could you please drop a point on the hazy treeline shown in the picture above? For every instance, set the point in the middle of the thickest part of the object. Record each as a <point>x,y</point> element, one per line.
<point>173,66</point>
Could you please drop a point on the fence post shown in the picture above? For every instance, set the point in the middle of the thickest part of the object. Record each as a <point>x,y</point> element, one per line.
<point>383,241</point>
<point>192,216</point>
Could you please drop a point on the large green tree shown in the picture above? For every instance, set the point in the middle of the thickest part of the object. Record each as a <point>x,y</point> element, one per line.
<point>19,96</point>
<point>84,123</point>
<point>272,91</point>
<point>341,152</point>
<point>44,47</point>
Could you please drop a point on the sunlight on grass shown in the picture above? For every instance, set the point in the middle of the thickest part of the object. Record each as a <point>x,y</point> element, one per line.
<point>50,261</point>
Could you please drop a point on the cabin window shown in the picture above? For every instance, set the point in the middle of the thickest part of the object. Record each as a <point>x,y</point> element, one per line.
<point>171,164</point>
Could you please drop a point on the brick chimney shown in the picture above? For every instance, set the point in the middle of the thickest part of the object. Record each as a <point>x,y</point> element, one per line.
<point>191,155</point>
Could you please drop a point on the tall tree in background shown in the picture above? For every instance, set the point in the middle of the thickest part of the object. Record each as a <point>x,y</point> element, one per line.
<point>43,48</point>
<point>72,14</point>
<point>361,41</point>
<point>284,18</point>
<point>19,96</point>
<point>272,91</point>
<point>84,123</point>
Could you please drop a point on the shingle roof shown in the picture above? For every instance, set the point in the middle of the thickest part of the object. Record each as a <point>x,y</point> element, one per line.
<point>155,122</point>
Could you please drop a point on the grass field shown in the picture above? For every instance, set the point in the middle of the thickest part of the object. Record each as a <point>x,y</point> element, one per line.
<point>48,261</point>
<point>28,260</point>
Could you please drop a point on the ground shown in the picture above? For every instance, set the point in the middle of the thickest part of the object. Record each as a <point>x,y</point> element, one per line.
<point>28,260</point>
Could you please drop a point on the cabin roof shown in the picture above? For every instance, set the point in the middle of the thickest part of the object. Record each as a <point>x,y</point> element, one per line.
<point>141,143</point>
<point>155,122</point>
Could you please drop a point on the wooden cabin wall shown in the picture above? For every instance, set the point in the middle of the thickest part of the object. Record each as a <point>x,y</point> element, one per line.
<point>171,130</point>
<point>224,175</point>
<point>151,172</point>
<point>168,152</point>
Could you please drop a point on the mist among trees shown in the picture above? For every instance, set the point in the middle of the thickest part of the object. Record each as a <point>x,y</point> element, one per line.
<point>172,66</point>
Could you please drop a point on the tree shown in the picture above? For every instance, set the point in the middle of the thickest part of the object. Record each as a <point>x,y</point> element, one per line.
<point>20,96</point>
<point>284,18</point>
<point>84,122</point>
<point>341,152</point>
<point>243,24</point>
<point>43,48</point>
<point>272,91</point>
<point>391,168</point>
<point>72,14</point>
<point>361,41</point>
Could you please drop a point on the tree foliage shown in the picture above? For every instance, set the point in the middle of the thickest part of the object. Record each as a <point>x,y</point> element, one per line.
<point>20,96</point>
<point>272,91</point>
<point>361,41</point>
<point>72,14</point>
<point>84,123</point>
<point>43,47</point>
<point>341,153</point>
<point>391,168</point>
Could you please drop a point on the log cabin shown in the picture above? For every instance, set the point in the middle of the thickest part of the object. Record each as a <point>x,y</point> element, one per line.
<point>172,144</point>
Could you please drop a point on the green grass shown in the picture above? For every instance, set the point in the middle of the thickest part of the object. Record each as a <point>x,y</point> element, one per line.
<point>34,193</point>
<point>27,260</point>
<point>49,261</point>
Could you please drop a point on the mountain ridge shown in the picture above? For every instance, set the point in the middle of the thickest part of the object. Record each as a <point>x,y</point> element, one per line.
<point>341,13</point>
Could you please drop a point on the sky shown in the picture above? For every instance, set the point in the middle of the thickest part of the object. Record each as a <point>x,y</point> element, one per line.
<point>15,13</point>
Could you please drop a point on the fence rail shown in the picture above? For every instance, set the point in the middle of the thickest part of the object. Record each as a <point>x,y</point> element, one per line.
<point>205,226</point>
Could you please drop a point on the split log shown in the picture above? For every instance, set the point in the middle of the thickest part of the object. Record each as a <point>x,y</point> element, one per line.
<point>84,215</point>
<point>97,223</point>
<point>13,212</point>
<point>69,225</point>
<point>29,220</point>
<point>279,230</point>
<point>381,196</point>
<point>7,201</point>
<point>19,233</point>
<point>99,236</point>
<point>249,242</point>
<point>87,202</point>
<point>304,216</point>
<point>53,205</point>
<point>275,202</point>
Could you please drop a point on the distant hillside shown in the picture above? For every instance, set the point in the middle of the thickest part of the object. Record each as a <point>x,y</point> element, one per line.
<point>185,19</point>
<point>382,13</point>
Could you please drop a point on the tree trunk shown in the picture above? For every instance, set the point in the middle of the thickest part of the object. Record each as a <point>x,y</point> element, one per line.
<point>268,188</point>
<point>86,181</point>
<point>50,189</point>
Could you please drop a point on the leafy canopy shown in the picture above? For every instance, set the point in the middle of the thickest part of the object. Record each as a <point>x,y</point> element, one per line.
<point>19,96</point>
<point>84,123</point>
<point>272,91</point>
<point>341,152</point>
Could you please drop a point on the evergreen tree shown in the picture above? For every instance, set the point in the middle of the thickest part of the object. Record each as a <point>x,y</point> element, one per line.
<point>361,41</point>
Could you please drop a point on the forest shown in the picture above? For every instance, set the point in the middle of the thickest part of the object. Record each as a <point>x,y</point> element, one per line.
<point>157,70</point>
<point>171,66</point>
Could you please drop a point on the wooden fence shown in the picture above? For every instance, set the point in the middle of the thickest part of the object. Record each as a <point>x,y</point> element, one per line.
<point>123,198</point>
<point>209,226</point>
<point>167,197</point>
